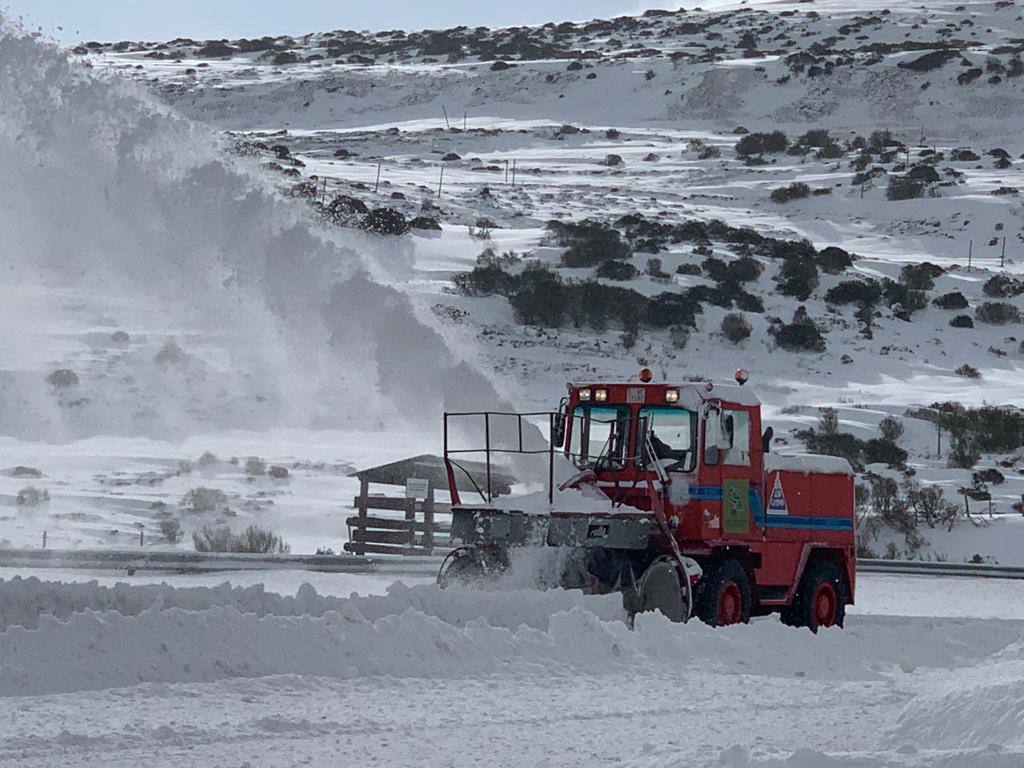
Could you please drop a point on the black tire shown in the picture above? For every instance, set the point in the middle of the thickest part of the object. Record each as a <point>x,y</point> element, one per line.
<point>812,607</point>
<point>462,566</point>
<point>723,595</point>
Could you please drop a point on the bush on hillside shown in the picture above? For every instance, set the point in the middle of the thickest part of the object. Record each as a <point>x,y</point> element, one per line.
<point>962,321</point>
<point>951,300</point>
<point>794,191</point>
<point>735,327</point>
<point>1003,287</point>
<point>798,277</point>
<point>540,297</point>
<point>617,270</point>
<point>801,335</point>
<point>903,188</point>
<point>855,292</point>
<point>833,260</point>
<point>920,277</point>
<point>762,143</point>
<point>997,313</point>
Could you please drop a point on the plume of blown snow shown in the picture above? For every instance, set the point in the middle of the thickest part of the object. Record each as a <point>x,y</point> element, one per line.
<point>234,309</point>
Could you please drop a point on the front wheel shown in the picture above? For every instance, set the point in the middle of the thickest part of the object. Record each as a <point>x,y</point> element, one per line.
<point>723,595</point>
<point>821,599</point>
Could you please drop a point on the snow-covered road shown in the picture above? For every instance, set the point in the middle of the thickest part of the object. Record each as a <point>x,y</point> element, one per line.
<point>235,676</point>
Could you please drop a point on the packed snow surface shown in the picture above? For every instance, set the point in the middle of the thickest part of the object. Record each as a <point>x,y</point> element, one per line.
<point>457,675</point>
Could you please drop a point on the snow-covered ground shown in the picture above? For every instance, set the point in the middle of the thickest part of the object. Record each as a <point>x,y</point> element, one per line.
<point>172,309</point>
<point>114,675</point>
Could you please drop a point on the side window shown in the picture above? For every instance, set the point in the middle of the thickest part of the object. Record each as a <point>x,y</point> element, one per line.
<point>739,454</point>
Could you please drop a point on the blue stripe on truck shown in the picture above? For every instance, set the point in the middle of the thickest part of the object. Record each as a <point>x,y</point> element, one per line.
<point>714,493</point>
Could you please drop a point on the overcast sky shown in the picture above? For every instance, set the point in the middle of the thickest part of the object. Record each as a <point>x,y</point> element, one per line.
<point>111,20</point>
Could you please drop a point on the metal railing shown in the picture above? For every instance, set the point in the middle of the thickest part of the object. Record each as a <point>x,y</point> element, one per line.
<point>489,450</point>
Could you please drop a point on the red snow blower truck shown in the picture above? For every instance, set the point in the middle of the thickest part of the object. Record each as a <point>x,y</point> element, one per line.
<point>674,499</point>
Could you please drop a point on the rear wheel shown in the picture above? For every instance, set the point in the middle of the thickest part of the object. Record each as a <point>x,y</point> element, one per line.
<point>821,599</point>
<point>723,595</point>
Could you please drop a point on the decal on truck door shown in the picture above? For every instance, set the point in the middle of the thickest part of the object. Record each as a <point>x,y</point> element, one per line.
<point>777,501</point>
<point>736,505</point>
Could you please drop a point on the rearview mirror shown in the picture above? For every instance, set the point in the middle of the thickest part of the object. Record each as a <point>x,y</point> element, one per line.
<point>558,427</point>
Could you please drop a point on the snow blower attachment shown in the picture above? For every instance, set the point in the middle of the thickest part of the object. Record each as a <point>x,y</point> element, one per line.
<point>668,494</point>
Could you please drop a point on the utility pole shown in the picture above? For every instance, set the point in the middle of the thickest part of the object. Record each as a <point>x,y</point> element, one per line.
<point>376,185</point>
<point>447,125</point>
<point>440,181</point>
<point>513,172</point>
<point>970,253</point>
<point>463,121</point>
<point>1002,256</point>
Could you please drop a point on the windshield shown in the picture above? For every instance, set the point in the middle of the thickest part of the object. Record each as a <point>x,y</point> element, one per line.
<point>599,433</point>
<point>672,433</point>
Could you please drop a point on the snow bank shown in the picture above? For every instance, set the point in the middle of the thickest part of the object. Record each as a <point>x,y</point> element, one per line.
<point>97,638</point>
<point>120,216</point>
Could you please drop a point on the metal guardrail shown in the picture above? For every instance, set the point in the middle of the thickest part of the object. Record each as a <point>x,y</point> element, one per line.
<point>924,568</point>
<point>170,561</point>
<point>132,561</point>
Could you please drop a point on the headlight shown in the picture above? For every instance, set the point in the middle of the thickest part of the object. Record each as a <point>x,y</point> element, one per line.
<point>601,395</point>
<point>671,395</point>
<point>584,395</point>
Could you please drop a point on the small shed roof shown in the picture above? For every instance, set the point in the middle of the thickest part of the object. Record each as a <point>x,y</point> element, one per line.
<point>432,468</point>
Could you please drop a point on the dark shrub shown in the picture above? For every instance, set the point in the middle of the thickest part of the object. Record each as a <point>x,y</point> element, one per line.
<point>385,221</point>
<point>62,378</point>
<point>968,371</point>
<point>920,277</point>
<point>924,173</point>
<point>735,328</point>
<point>688,269</point>
<point>762,143</point>
<point>589,242</point>
<point>1003,286</point>
<point>962,321</point>
<point>798,277</point>
<point>903,300</point>
<point>882,451</point>
<point>748,302</point>
<point>802,335</point>
<point>997,313</point>
<point>931,60</point>
<point>540,297</point>
<point>833,260</point>
<point>716,269</point>
<point>903,188</point>
<point>668,309</point>
<point>745,269</point>
<point>425,222</point>
<point>951,300</point>
<point>855,292</point>
<point>880,140</point>
<point>794,191</point>
<point>485,280</point>
<point>617,270</point>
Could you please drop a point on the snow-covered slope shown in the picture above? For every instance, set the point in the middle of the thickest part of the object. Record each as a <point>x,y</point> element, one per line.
<point>281,320</point>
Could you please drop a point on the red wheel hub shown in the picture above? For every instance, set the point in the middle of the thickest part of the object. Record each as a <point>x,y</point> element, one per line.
<point>730,604</point>
<point>824,605</point>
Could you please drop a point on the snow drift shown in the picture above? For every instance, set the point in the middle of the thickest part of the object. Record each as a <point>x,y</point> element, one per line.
<point>72,637</point>
<point>177,288</point>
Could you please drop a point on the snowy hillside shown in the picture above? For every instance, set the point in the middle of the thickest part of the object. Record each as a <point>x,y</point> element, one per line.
<point>898,165</point>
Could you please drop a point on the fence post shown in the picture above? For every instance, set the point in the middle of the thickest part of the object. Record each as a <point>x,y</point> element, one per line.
<point>447,125</point>
<point>440,181</point>
<point>428,521</point>
<point>376,185</point>
<point>44,539</point>
<point>970,253</point>
<point>1002,255</point>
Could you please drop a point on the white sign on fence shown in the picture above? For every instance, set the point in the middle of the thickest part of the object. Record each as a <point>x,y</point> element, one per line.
<point>416,488</point>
